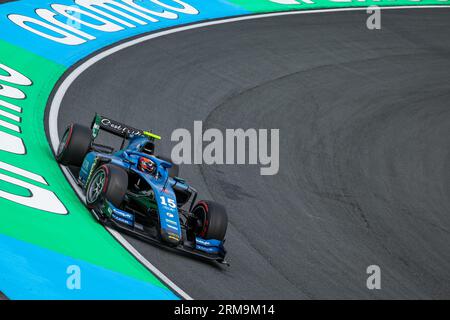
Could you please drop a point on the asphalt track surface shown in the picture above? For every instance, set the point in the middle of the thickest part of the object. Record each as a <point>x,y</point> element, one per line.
<point>364,119</point>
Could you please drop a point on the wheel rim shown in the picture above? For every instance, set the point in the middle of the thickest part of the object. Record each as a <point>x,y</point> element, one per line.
<point>62,144</point>
<point>96,187</point>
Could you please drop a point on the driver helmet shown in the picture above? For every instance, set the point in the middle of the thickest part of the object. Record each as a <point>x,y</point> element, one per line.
<point>147,165</point>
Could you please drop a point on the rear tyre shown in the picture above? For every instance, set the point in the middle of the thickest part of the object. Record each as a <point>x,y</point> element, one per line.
<point>211,220</point>
<point>74,145</point>
<point>108,182</point>
<point>174,171</point>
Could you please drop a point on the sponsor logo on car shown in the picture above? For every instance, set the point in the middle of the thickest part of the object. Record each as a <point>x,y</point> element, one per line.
<point>172,227</point>
<point>124,215</point>
<point>207,249</point>
<point>117,218</point>
<point>170,215</point>
<point>120,128</point>
<point>171,222</point>
<point>203,242</point>
<point>174,237</point>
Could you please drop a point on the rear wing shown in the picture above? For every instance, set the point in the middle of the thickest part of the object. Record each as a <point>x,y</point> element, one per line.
<point>118,129</point>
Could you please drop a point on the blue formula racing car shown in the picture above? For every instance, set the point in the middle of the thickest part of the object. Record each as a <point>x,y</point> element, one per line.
<point>135,191</point>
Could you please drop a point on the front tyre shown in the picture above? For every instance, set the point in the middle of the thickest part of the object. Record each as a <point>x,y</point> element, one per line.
<point>108,182</point>
<point>211,220</point>
<point>74,145</point>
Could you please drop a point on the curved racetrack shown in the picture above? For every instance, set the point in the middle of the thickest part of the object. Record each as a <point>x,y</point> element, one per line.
<point>364,119</point>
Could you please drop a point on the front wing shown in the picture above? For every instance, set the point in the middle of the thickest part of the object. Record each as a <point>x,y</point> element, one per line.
<point>110,216</point>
